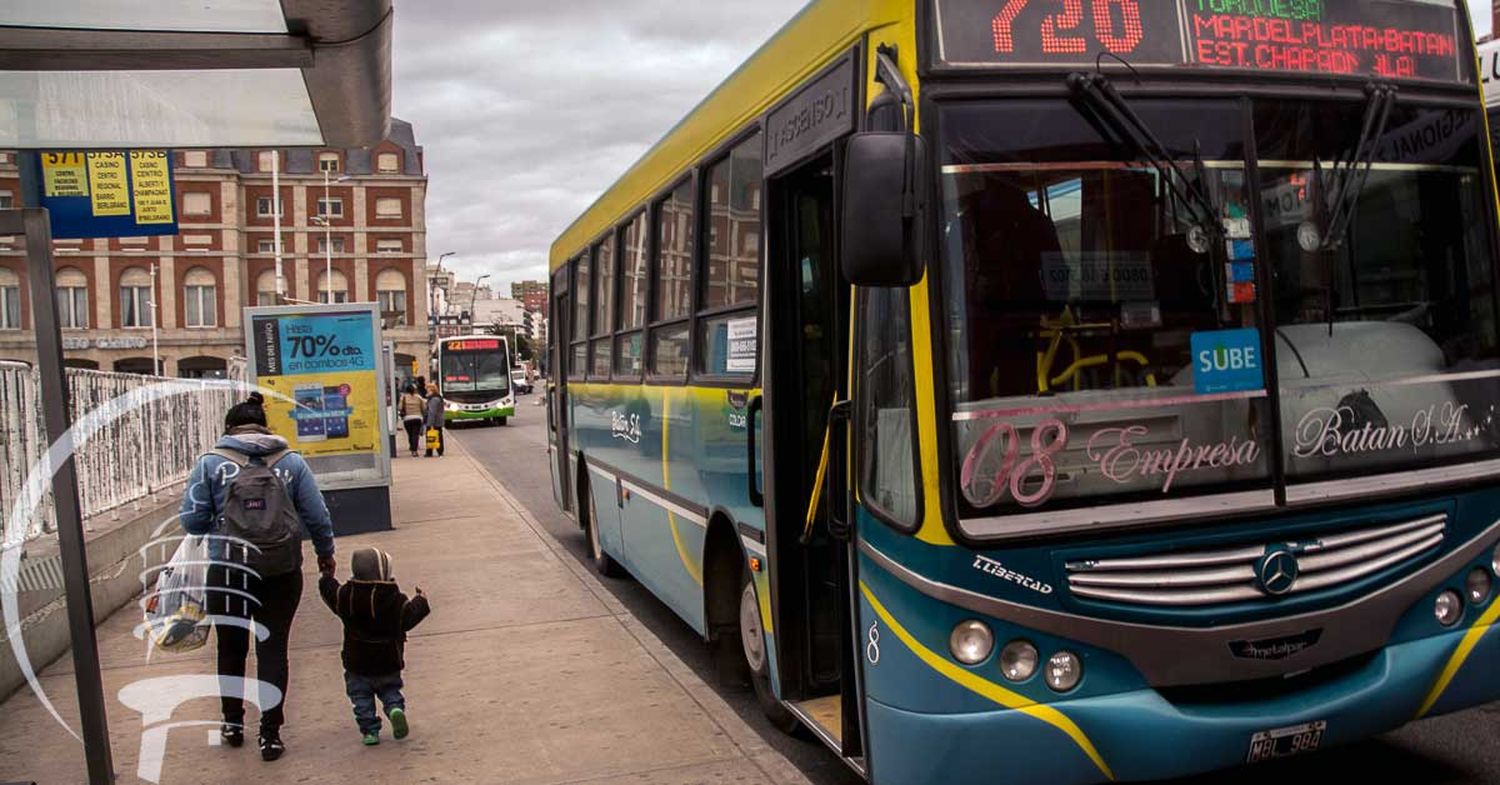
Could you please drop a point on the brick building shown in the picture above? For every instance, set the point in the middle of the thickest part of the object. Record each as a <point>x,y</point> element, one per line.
<point>223,258</point>
<point>532,293</point>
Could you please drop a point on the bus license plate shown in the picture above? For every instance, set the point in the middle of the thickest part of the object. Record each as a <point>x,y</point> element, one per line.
<point>1286,742</point>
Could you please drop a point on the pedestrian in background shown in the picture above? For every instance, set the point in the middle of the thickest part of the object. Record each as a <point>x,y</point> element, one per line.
<point>421,386</point>
<point>250,493</point>
<point>413,411</point>
<point>435,407</point>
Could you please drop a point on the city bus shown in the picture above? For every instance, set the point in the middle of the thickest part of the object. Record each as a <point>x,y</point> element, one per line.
<point>1057,391</point>
<point>474,376</point>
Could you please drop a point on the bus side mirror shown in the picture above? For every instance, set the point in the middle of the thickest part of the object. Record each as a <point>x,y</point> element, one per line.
<point>884,208</point>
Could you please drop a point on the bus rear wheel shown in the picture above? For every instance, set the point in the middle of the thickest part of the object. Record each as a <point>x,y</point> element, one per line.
<point>758,659</point>
<point>604,564</point>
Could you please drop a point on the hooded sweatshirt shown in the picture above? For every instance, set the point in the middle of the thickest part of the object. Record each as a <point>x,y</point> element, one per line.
<point>375,613</point>
<point>208,486</point>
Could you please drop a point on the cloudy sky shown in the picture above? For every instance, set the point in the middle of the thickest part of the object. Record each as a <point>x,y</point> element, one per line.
<point>528,109</point>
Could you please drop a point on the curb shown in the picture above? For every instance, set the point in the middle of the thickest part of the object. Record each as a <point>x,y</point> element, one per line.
<point>770,762</point>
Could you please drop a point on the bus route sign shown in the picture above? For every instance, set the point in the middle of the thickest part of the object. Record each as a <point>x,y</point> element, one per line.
<point>108,193</point>
<point>1394,39</point>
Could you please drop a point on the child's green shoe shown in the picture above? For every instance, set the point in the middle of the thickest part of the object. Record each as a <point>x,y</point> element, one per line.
<point>399,728</point>
<point>371,739</point>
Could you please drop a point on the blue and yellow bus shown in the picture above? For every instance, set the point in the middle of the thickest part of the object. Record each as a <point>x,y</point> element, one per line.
<point>1058,391</point>
<point>474,376</point>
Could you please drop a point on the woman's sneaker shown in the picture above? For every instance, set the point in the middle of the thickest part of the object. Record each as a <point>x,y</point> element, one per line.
<point>399,728</point>
<point>371,739</point>
<point>232,734</point>
<point>271,746</point>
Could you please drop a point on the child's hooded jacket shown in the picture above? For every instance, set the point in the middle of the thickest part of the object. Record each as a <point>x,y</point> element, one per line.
<point>375,613</point>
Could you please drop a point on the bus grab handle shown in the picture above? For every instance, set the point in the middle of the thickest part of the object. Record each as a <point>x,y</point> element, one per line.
<point>752,475</point>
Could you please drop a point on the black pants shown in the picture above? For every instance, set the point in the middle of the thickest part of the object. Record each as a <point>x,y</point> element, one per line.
<point>274,604</point>
<point>442,443</point>
<point>413,433</point>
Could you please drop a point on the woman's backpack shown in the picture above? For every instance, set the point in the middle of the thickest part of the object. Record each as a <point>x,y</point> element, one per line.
<point>260,517</point>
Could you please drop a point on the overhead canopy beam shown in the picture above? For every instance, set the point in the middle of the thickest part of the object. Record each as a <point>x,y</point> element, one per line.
<point>341,47</point>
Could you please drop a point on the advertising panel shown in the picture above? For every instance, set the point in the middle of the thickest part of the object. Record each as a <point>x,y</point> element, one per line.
<point>325,384</point>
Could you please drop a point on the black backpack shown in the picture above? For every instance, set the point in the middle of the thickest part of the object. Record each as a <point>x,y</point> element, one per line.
<point>260,517</point>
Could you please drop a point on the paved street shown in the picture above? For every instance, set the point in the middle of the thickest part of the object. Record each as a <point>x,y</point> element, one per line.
<point>1453,750</point>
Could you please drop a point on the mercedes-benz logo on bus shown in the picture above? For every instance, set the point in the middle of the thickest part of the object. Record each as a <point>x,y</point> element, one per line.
<point>1277,572</point>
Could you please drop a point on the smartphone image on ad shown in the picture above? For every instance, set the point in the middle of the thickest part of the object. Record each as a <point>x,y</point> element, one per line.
<point>336,425</point>
<point>310,422</point>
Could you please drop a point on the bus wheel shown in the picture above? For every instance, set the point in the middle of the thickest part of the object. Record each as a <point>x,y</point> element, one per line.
<point>604,564</point>
<point>758,660</point>
<point>500,421</point>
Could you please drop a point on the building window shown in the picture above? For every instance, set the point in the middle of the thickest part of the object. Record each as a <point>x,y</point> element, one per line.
<point>200,306</point>
<point>604,294</point>
<point>265,289</point>
<point>264,207</point>
<point>7,200</point>
<point>267,160</point>
<point>197,203</point>
<point>331,207</point>
<point>72,299</point>
<point>387,207</point>
<point>388,163</point>
<point>195,158</point>
<point>390,246</point>
<point>135,298</point>
<point>338,244</point>
<point>10,300</point>
<point>340,287</point>
<point>265,246</point>
<point>328,162</point>
<point>198,239</point>
<point>390,292</point>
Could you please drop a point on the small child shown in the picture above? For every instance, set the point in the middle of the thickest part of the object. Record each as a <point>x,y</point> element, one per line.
<point>376,618</point>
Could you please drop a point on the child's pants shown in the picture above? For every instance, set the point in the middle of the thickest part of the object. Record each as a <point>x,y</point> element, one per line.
<point>363,690</point>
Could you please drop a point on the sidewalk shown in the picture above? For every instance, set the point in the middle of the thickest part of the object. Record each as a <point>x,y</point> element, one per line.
<point>528,671</point>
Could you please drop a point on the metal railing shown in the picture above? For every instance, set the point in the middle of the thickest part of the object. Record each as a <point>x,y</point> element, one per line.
<point>145,446</point>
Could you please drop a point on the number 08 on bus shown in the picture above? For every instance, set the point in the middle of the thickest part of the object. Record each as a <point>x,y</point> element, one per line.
<point>1058,391</point>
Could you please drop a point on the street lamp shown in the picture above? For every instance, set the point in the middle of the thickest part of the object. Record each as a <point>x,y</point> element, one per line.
<point>155,319</point>
<point>326,221</point>
<point>474,295</point>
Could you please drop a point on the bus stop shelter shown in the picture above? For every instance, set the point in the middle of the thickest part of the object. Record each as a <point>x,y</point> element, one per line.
<point>120,74</point>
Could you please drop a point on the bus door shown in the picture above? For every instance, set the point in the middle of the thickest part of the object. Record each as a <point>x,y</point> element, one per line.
<point>808,353</point>
<point>557,390</point>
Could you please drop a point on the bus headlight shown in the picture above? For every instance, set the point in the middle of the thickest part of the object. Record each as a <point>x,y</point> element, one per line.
<point>971,642</point>
<point>1449,608</point>
<point>1064,671</point>
<point>1018,661</point>
<point>1477,586</point>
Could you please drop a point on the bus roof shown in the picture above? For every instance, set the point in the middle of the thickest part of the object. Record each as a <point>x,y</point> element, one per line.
<point>816,34</point>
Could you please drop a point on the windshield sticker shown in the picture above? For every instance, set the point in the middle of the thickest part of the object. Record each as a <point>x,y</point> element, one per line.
<point>1115,452</point>
<point>1241,282</point>
<point>1237,228</point>
<point>1357,426</point>
<point>1227,361</point>
<point>1098,277</point>
<point>1137,316</point>
<point>742,344</point>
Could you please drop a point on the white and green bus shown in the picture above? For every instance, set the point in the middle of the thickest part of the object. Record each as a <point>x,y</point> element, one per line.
<point>474,376</point>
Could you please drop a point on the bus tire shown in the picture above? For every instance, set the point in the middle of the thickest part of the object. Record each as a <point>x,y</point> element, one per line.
<point>501,421</point>
<point>757,658</point>
<point>604,564</point>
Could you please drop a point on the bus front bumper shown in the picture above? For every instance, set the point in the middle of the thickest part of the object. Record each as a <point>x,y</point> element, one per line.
<point>1140,735</point>
<point>481,414</point>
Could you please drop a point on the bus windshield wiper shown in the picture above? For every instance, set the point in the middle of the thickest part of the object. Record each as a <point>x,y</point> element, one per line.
<point>1099,94</point>
<point>1350,176</point>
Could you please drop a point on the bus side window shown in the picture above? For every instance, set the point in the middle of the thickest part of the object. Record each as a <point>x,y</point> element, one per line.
<point>887,408</point>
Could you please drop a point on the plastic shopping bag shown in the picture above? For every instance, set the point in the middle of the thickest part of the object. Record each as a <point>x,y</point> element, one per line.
<point>434,439</point>
<point>177,607</point>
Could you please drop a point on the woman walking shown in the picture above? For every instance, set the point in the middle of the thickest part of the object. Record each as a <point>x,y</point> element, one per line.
<point>250,493</point>
<point>435,407</point>
<point>413,413</point>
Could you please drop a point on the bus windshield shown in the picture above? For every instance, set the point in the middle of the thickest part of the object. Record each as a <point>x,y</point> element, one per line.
<point>1104,348</point>
<point>476,371</point>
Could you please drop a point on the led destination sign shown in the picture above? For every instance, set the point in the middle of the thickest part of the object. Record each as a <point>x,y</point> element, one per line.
<point>1394,39</point>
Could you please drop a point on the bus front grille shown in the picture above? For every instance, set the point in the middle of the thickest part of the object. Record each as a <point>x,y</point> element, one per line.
<point>1229,575</point>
